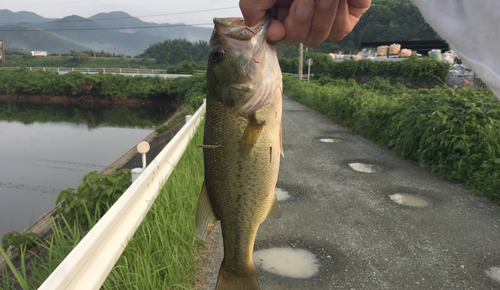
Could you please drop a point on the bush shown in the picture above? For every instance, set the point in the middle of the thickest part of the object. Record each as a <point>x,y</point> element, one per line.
<point>324,66</point>
<point>19,242</point>
<point>95,195</point>
<point>24,81</point>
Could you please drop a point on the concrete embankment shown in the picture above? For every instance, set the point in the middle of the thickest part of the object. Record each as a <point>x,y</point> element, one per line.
<point>357,217</point>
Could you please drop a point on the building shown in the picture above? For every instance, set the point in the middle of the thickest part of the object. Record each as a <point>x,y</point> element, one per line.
<point>38,53</point>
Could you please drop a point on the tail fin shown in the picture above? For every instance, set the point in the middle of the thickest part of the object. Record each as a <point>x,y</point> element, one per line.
<point>232,281</point>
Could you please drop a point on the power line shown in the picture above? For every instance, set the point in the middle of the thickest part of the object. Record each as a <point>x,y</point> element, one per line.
<point>102,28</point>
<point>126,17</point>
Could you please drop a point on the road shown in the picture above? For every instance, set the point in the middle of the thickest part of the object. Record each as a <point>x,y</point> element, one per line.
<point>358,237</point>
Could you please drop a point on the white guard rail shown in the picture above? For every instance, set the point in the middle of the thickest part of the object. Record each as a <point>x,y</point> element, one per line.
<point>90,262</point>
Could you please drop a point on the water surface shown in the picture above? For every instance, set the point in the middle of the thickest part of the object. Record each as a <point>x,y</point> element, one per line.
<point>45,149</point>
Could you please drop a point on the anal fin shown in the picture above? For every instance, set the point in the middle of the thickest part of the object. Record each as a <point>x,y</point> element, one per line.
<point>205,217</point>
<point>275,212</point>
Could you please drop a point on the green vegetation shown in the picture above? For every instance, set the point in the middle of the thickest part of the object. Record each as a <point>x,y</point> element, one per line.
<point>18,241</point>
<point>324,66</point>
<point>95,195</point>
<point>162,254</point>
<point>173,51</point>
<point>84,59</point>
<point>456,133</point>
<point>24,81</point>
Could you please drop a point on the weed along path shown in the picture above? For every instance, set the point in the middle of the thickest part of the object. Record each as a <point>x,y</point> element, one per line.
<point>357,217</point>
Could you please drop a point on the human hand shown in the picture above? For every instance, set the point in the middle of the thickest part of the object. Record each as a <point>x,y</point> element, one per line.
<point>305,21</point>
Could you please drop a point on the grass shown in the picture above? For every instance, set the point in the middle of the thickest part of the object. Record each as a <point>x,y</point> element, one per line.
<point>162,254</point>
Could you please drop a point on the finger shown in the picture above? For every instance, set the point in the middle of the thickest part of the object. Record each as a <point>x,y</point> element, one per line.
<point>298,21</point>
<point>276,31</point>
<point>358,7</point>
<point>348,14</point>
<point>324,17</point>
<point>254,10</point>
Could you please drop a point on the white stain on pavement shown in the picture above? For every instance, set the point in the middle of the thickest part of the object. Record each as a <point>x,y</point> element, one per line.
<point>281,194</point>
<point>295,263</point>
<point>409,200</point>
<point>329,140</point>
<point>362,167</point>
<point>494,273</point>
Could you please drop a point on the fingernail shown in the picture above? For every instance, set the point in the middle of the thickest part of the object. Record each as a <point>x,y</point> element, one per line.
<point>325,4</point>
<point>304,10</point>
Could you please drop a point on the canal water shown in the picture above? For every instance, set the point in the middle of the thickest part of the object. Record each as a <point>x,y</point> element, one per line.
<point>48,148</point>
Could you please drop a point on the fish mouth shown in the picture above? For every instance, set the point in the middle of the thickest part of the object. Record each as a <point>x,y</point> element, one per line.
<point>235,27</point>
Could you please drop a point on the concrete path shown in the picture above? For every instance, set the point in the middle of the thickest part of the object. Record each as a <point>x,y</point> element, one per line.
<point>359,237</point>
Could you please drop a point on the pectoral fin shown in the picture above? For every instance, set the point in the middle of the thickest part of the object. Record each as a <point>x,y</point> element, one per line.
<point>250,136</point>
<point>205,217</point>
<point>275,212</point>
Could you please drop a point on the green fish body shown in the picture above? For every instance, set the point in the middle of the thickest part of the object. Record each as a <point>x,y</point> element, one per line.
<point>242,144</point>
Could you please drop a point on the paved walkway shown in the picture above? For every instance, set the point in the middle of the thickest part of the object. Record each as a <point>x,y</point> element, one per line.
<point>361,238</point>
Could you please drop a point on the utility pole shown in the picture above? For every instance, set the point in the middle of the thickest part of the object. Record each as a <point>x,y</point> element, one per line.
<point>2,53</point>
<point>301,56</point>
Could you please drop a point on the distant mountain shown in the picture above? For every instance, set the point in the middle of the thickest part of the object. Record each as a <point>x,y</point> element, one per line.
<point>177,30</point>
<point>90,34</point>
<point>16,37</point>
<point>9,17</point>
<point>129,35</point>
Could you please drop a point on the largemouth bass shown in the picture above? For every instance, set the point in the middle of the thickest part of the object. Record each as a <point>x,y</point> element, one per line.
<point>242,144</point>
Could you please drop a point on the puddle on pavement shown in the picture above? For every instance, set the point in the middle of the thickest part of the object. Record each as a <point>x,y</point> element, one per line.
<point>494,273</point>
<point>362,167</point>
<point>295,263</point>
<point>281,194</point>
<point>409,200</point>
<point>329,140</point>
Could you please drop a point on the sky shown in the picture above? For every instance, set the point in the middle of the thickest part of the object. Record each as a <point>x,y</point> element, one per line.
<point>145,8</point>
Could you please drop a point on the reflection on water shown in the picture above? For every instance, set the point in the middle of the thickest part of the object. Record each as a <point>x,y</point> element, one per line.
<point>45,149</point>
<point>91,115</point>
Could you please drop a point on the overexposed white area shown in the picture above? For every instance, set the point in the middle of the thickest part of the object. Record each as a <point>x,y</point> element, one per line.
<point>362,167</point>
<point>409,200</point>
<point>281,194</point>
<point>295,263</point>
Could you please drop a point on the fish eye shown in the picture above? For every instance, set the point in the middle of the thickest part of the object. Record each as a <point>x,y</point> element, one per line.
<point>217,54</point>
